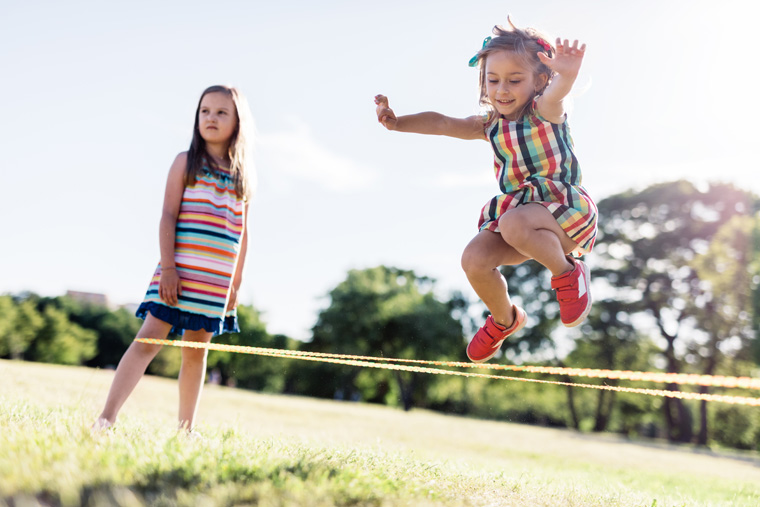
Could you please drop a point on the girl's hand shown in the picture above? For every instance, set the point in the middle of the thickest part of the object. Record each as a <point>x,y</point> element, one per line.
<point>169,286</point>
<point>233,302</point>
<point>567,60</point>
<point>385,114</point>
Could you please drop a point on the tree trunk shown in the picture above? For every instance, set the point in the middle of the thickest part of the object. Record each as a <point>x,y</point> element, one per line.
<point>406,389</point>
<point>677,416</point>
<point>571,406</point>
<point>702,436</point>
<point>709,370</point>
<point>678,419</point>
<point>576,424</point>
<point>604,410</point>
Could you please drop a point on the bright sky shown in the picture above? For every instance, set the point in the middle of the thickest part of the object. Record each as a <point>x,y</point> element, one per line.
<point>99,97</point>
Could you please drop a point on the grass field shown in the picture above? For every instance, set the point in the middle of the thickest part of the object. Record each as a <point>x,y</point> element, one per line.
<point>270,450</point>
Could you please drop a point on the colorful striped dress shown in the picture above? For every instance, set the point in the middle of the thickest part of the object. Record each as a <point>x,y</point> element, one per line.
<point>534,162</point>
<point>209,228</point>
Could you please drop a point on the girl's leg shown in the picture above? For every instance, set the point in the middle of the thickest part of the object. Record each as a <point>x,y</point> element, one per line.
<point>534,232</point>
<point>131,369</point>
<point>481,260</point>
<point>192,375</point>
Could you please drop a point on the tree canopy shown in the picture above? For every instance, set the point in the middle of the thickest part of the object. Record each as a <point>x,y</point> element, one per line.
<point>386,311</point>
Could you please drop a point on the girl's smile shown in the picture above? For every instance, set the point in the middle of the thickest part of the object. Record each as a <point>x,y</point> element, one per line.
<point>505,102</point>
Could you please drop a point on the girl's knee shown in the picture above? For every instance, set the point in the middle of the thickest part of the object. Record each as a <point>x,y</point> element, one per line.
<point>469,260</point>
<point>191,353</point>
<point>191,356</point>
<point>474,260</point>
<point>513,227</point>
<point>195,354</point>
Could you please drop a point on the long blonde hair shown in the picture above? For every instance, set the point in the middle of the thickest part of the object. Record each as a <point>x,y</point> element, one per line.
<point>524,43</point>
<point>241,167</point>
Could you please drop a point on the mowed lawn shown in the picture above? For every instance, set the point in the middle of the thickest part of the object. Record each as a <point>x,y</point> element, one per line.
<point>259,449</point>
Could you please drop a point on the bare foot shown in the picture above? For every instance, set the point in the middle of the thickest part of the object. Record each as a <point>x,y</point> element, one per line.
<point>100,424</point>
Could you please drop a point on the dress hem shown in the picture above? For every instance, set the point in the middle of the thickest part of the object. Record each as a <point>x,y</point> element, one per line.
<point>181,320</point>
<point>492,224</point>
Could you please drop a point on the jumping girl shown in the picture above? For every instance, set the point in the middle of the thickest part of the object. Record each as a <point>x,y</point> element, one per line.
<point>203,241</point>
<point>542,212</point>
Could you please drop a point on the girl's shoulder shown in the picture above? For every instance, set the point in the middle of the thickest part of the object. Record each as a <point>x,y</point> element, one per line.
<point>181,158</point>
<point>180,163</point>
<point>491,120</point>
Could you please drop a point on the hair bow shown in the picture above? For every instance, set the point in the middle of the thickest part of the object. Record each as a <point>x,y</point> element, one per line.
<point>547,47</point>
<point>474,59</point>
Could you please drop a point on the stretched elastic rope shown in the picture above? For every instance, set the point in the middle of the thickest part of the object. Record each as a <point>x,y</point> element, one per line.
<point>668,378</point>
<point>387,363</point>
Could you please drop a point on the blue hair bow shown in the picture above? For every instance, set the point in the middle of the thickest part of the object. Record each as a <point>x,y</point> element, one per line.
<point>474,59</point>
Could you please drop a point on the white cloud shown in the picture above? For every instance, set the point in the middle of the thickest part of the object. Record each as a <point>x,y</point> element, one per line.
<point>295,153</point>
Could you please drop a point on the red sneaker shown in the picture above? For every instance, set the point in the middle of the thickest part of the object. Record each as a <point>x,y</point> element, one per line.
<point>572,294</point>
<point>487,341</point>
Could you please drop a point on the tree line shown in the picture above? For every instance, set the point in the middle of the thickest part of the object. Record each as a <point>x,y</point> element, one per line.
<point>675,277</point>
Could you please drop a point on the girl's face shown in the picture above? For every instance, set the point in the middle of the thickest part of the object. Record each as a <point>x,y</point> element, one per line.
<point>510,84</point>
<point>217,118</point>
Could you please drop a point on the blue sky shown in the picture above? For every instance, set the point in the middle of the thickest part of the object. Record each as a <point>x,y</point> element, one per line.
<point>99,98</point>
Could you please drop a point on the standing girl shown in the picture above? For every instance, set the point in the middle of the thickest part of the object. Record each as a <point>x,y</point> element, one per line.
<point>203,240</point>
<point>543,212</point>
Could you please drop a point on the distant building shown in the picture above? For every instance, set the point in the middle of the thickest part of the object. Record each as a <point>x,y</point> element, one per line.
<point>89,298</point>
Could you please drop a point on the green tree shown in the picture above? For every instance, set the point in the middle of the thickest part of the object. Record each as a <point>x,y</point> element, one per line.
<point>609,340</point>
<point>261,373</point>
<point>754,268</point>
<point>385,311</point>
<point>7,317</point>
<point>647,242</point>
<point>724,309</point>
<point>115,328</point>
<point>61,341</point>
<point>19,324</point>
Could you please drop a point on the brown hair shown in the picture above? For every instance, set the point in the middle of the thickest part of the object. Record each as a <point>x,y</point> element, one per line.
<point>238,150</point>
<point>525,43</point>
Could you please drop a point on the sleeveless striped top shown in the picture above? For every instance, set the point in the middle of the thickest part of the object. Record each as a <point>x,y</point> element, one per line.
<point>534,161</point>
<point>208,232</point>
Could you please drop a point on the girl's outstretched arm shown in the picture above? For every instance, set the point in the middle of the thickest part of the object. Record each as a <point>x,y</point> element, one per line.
<point>429,122</point>
<point>566,63</point>
<point>169,287</point>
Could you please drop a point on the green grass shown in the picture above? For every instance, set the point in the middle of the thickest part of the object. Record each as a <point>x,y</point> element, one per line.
<point>289,451</point>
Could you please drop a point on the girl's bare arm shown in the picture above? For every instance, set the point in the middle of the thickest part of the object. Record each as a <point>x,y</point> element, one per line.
<point>566,64</point>
<point>429,122</point>
<point>169,286</point>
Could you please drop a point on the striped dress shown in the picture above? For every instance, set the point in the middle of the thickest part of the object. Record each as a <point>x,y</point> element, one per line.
<point>208,233</point>
<point>534,162</point>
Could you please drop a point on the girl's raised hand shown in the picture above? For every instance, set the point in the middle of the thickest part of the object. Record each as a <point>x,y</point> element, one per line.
<point>567,60</point>
<point>385,114</point>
